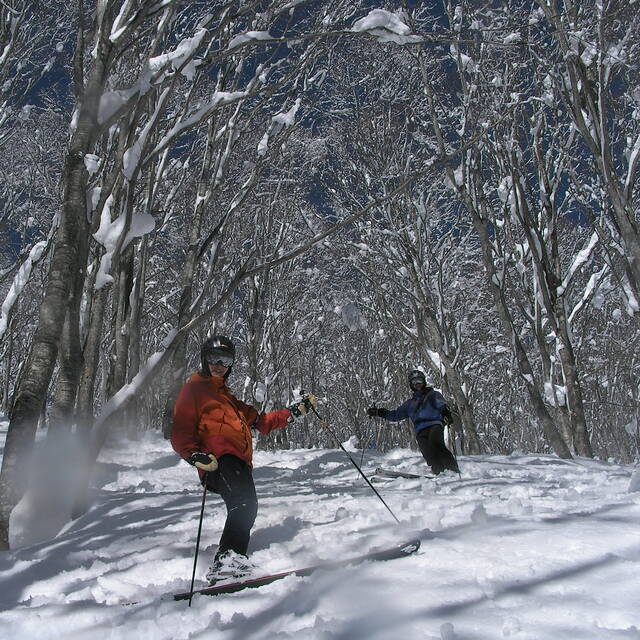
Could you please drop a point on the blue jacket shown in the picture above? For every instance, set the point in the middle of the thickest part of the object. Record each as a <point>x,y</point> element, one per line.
<point>424,408</point>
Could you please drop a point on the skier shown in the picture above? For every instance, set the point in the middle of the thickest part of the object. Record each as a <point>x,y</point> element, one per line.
<point>429,413</point>
<point>212,431</point>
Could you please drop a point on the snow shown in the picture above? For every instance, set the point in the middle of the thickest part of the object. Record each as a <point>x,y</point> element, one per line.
<point>109,233</point>
<point>117,30</point>
<point>93,198</point>
<point>112,101</point>
<point>351,316</point>
<point>180,55</point>
<point>633,306</point>
<point>579,261</point>
<point>249,36</point>
<point>131,157</point>
<point>555,395</point>
<point>521,546</point>
<point>436,360</point>
<point>219,98</point>
<point>92,163</point>
<point>19,282</point>
<point>386,27</point>
<point>280,120</point>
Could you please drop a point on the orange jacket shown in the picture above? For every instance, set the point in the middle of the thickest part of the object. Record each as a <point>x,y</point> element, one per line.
<point>208,418</point>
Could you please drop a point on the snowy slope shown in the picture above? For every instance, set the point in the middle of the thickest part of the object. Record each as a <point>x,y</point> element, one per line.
<point>525,547</point>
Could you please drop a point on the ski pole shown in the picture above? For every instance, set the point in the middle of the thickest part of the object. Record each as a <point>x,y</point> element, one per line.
<point>362,456</point>
<point>453,446</point>
<point>363,446</point>
<point>455,457</point>
<point>195,559</point>
<point>325,424</point>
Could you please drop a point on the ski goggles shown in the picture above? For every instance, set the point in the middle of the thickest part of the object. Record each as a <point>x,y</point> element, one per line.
<point>219,357</point>
<point>417,380</point>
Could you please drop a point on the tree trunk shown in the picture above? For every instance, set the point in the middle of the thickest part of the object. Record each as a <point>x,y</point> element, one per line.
<point>8,356</point>
<point>120,334</point>
<point>587,95</point>
<point>91,357</point>
<point>575,404</point>
<point>427,321</point>
<point>32,392</point>
<point>554,438</point>
<point>178,361</point>
<point>467,419</point>
<point>62,414</point>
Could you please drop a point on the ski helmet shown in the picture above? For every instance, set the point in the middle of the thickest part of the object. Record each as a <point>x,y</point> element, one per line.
<point>217,349</point>
<point>415,375</point>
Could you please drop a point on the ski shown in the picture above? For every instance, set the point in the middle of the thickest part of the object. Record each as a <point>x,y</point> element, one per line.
<point>391,553</point>
<point>399,474</point>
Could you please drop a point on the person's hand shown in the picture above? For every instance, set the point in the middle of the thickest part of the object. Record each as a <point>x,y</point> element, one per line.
<point>204,461</point>
<point>377,412</point>
<point>308,403</point>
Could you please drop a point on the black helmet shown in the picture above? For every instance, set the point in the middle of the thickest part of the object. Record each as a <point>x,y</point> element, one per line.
<point>415,375</point>
<point>217,349</point>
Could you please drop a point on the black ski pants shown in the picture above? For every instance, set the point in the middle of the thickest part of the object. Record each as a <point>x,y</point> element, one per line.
<point>234,482</point>
<point>434,451</point>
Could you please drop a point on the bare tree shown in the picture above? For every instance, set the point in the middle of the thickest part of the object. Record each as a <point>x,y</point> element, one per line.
<point>595,76</point>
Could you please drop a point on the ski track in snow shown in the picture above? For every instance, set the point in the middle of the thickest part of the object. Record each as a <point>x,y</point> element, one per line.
<point>523,546</point>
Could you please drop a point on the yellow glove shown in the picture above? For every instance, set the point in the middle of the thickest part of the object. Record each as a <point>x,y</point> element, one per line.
<point>204,461</point>
<point>308,403</point>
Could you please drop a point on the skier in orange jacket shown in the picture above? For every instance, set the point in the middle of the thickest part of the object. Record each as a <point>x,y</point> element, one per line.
<point>212,431</point>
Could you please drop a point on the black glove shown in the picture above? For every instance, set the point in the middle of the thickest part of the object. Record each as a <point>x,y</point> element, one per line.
<point>447,417</point>
<point>377,412</point>
<point>307,403</point>
<point>204,461</point>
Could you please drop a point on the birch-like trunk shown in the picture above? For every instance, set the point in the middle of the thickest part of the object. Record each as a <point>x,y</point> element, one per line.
<point>34,384</point>
<point>70,366</point>
<point>179,358</point>
<point>119,327</point>
<point>91,358</point>
<point>465,412</point>
<point>552,435</point>
<point>588,96</point>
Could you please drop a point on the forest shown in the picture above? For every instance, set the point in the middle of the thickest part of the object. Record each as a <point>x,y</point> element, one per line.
<point>349,189</point>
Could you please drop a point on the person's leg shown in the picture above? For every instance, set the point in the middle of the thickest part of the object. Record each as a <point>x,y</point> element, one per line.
<point>426,445</point>
<point>234,482</point>
<point>445,459</point>
<point>434,450</point>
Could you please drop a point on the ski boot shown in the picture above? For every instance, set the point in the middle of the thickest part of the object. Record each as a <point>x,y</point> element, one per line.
<point>229,566</point>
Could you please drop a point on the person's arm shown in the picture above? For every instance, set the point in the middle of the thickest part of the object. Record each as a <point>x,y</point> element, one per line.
<point>393,415</point>
<point>184,432</point>
<point>437,400</point>
<point>264,422</point>
<point>402,412</point>
<point>268,422</point>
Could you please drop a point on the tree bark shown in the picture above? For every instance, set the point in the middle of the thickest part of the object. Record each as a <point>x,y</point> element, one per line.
<point>120,325</point>
<point>552,435</point>
<point>34,384</point>
<point>63,411</point>
<point>91,356</point>
<point>178,360</point>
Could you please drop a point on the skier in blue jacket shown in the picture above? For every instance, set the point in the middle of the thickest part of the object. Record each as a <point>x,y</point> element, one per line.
<point>429,413</point>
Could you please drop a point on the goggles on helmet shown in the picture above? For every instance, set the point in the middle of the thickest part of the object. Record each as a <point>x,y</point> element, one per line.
<point>219,356</point>
<point>416,377</point>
